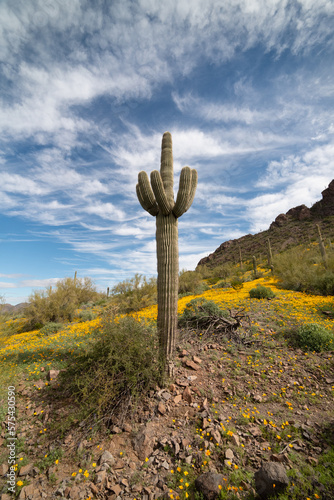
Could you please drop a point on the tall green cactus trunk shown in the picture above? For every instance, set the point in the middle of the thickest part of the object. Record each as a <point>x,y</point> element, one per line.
<point>167,284</point>
<point>157,198</point>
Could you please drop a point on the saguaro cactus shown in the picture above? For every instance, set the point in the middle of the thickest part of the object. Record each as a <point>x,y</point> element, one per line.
<point>322,248</point>
<point>157,199</point>
<point>254,266</point>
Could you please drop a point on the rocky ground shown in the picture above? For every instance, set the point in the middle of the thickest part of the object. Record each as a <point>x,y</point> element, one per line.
<point>231,411</point>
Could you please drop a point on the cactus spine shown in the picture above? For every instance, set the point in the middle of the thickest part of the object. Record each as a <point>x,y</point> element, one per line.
<point>322,248</point>
<point>157,198</point>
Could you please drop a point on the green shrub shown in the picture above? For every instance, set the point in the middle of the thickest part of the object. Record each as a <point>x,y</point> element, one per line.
<point>118,369</point>
<point>314,337</point>
<point>197,311</point>
<point>58,304</point>
<point>261,292</point>
<point>50,329</point>
<point>237,284</point>
<point>301,269</point>
<point>86,315</point>
<point>189,281</point>
<point>134,294</point>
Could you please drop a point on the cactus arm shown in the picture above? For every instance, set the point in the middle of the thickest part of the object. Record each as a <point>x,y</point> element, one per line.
<point>193,187</point>
<point>166,167</point>
<point>154,210</point>
<point>183,193</point>
<point>145,194</point>
<point>159,191</point>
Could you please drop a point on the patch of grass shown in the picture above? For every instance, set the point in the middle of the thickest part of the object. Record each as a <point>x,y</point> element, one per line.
<point>49,459</point>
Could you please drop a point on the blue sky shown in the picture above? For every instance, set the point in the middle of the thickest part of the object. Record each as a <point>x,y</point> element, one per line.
<point>87,89</point>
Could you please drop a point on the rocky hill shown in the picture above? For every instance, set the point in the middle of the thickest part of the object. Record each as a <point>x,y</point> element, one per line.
<point>8,308</point>
<point>298,225</point>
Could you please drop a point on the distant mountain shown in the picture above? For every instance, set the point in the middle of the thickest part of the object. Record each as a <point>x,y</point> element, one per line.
<point>297,226</point>
<point>8,308</point>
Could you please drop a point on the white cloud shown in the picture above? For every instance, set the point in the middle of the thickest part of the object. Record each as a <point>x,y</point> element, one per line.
<point>5,284</point>
<point>314,167</point>
<point>39,283</point>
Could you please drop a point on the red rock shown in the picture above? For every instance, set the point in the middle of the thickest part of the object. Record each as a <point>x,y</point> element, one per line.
<point>191,364</point>
<point>161,408</point>
<point>178,398</point>
<point>116,489</point>
<point>52,374</point>
<point>186,395</point>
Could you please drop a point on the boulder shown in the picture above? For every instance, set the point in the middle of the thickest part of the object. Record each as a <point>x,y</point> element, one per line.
<point>209,484</point>
<point>271,478</point>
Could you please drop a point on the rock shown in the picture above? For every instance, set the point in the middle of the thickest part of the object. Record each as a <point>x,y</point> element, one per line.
<point>197,360</point>
<point>116,430</point>
<point>208,484</point>
<point>216,436</point>
<point>120,464</point>
<point>186,395</point>
<point>26,492</point>
<point>270,474</point>
<point>257,398</point>
<point>235,440</point>
<point>4,496</point>
<point>275,457</point>
<point>107,458</point>
<point>101,478</point>
<point>144,441</point>
<point>127,427</point>
<point>166,395</point>
<point>137,488</point>
<point>178,398</point>
<point>26,469</point>
<point>229,454</point>
<point>279,221</point>
<point>75,493</point>
<point>3,469</point>
<point>161,408</point>
<point>67,491</point>
<point>52,374</point>
<point>116,489</point>
<point>255,431</point>
<point>191,364</point>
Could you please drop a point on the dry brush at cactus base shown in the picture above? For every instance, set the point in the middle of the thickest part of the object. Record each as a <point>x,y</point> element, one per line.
<point>158,200</point>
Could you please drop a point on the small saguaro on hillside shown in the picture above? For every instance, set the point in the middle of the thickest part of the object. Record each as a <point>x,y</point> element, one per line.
<point>157,199</point>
